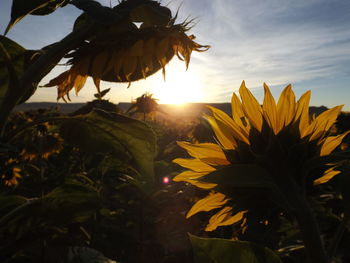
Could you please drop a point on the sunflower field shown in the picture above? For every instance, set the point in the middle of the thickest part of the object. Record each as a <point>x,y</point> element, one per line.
<point>258,183</point>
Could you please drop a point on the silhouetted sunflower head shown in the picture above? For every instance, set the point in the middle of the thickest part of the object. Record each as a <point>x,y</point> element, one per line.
<point>144,104</point>
<point>125,52</point>
<point>259,149</point>
<point>11,173</point>
<point>41,144</point>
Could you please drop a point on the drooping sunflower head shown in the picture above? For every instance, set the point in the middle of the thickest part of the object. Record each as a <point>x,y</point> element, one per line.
<point>259,148</point>
<point>144,104</point>
<point>125,52</point>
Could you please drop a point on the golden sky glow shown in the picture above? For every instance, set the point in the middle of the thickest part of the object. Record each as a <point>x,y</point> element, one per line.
<point>313,53</point>
<point>180,87</point>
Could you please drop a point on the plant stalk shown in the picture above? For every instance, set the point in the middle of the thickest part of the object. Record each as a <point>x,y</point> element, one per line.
<point>310,232</point>
<point>332,249</point>
<point>307,223</point>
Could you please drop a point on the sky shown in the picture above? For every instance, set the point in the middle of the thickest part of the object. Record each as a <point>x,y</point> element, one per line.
<point>305,43</point>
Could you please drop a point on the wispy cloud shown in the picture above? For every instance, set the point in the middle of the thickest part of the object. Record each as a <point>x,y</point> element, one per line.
<point>306,43</point>
<point>274,41</point>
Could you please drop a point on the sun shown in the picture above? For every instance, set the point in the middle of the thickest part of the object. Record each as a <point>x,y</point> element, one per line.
<point>180,86</point>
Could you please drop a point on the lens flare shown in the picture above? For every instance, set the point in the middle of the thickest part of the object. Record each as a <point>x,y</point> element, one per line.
<point>165,180</point>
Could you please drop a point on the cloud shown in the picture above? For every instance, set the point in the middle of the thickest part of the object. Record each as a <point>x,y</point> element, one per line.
<point>305,43</point>
<point>274,41</point>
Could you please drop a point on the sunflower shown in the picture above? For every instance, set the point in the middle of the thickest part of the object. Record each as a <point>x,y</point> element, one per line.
<point>144,104</point>
<point>263,152</point>
<point>123,52</point>
<point>42,143</point>
<point>12,173</point>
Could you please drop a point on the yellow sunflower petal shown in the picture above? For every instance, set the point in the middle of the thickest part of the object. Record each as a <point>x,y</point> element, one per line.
<point>137,49</point>
<point>270,109</point>
<point>237,111</point>
<point>202,185</point>
<point>302,112</point>
<point>251,107</point>
<point>224,136</point>
<point>58,80</point>
<point>209,153</point>
<point>129,66</point>
<point>118,62</point>
<point>79,83</point>
<point>99,64</point>
<point>149,46</point>
<point>323,123</point>
<point>224,218</point>
<point>162,48</point>
<point>230,220</point>
<point>328,175</point>
<point>16,170</point>
<point>286,107</point>
<point>332,142</point>
<point>210,202</point>
<point>188,175</point>
<point>224,120</point>
<point>194,164</point>
<point>112,59</point>
<point>97,82</point>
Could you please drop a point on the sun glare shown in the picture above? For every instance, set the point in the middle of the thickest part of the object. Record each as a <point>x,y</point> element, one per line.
<point>180,87</point>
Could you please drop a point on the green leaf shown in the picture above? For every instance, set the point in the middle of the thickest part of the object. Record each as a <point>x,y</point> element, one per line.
<point>70,203</point>
<point>104,132</point>
<point>21,8</point>
<point>86,255</point>
<point>102,93</point>
<point>215,250</point>
<point>14,60</point>
<point>344,184</point>
<point>20,59</point>
<point>11,201</point>
<point>17,57</point>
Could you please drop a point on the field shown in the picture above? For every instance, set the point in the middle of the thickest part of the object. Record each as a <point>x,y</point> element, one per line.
<point>254,180</point>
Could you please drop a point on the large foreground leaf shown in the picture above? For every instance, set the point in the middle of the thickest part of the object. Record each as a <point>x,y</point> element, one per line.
<point>19,58</point>
<point>100,131</point>
<point>21,8</point>
<point>86,255</point>
<point>215,250</point>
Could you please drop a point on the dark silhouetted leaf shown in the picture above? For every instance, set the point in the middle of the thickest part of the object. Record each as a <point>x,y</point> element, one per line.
<point>215,250</point>
<point>100,131</point>
<point>86,255</point>
<point>20,59</point>
<point>21,8</point>
<point>11,201</point>
<point>344,183</point>
<point>102,93</point>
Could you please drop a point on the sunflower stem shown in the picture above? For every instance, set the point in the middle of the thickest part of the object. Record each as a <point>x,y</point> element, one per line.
<point>307,223</point>
<point>332,249</point>
<point>310,232</point>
